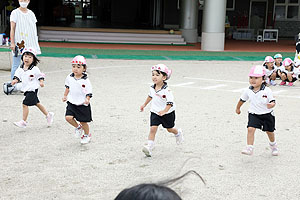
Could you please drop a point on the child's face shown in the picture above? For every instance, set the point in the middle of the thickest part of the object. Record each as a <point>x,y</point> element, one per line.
<point>27,59</point>
<point>269,65</point>
<point>255,81</point>
<point>289,67</point>
<point>158,78</point>
<point>278,60</point>
<point>77,69</point>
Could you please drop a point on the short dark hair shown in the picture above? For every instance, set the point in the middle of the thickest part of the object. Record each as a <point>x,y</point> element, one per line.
<point>160,72</point>
<point>152,191</point>
<point>35,59</point>
<point>148,192</point>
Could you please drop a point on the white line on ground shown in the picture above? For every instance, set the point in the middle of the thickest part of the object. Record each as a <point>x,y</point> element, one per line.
<point>238,90</point>
<point>216,80</point>
<point>214,86</point>
<point>89,68</point>
<point>279,91</point>
<point>183,84</point>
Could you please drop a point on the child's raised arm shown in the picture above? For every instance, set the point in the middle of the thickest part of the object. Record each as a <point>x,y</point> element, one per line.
<point>145,104</point>
<point>238,107</point>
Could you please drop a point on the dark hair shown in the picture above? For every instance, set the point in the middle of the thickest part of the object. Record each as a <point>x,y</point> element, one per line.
<point>84,67</point>
<point>151,191</point>
<point>35,59</point>
<point>148,192</point>
<point>160,72</point>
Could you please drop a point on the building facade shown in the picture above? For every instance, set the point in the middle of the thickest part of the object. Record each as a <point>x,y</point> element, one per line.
<point>283,15</point>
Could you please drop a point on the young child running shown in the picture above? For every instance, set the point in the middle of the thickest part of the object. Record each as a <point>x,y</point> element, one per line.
<point>260,113</point>
<point>77,94</point>
<point>162,107</point>
<point>271,70</point>
<point>32,78</point>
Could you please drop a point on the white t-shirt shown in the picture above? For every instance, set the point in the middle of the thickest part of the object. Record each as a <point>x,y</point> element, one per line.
<point>281,67</point>
<point>78,89</point>
<point>25,28</point>
<point>258,100</point>
<point>269,72</point>
<point>161,98</point>
<point>30,78</point>
<point>296,72</point>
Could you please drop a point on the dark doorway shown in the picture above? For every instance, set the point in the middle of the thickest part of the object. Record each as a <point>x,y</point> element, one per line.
<point>132,14</point>
<point>257,15</point>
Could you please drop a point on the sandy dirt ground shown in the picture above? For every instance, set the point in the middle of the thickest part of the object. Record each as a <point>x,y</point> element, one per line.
<point>49,163</point>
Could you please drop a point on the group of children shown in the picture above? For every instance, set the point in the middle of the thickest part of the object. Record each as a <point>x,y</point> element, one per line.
<point>78,92</point>
<point>287,70</point>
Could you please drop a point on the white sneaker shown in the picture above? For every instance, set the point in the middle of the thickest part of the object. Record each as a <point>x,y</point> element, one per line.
<point>274,149</point>
<point>85,139</point>
<point>50,118</point>
<point>147,149</point>
<point>78,131</point>
<point>179,136</point>
<point>272,82</point>
<point>248,150</point>
<point>21,124</point>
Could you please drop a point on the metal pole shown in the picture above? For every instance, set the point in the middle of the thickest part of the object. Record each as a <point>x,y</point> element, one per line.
<point>189,20</point>
<point>213,25</point>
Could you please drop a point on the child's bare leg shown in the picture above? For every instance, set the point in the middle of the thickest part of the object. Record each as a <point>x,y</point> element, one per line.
<point>273,76</point>
<point>152,133</point>
<point>283,77</point>
<point>250,135</point>
<point>25,112</point>
<point>42,108</point>
<point>71,121</point>
<point>290,78</point>
<point>85,127</point>
<point>271,136</point>
<point>172,130</point>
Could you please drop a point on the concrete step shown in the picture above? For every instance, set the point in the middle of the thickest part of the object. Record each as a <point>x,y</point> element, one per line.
<point>107,37</point>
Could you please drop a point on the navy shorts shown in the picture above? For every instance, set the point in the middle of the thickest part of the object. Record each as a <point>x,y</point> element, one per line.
<point>80,113</point>
<point>167,120</point>
<point>265,122</point>
<point>31,98</point>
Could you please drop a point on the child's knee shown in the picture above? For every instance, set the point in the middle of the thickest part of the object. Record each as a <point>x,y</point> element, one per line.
<point>69,118</point>
<point>84,123</point>
<point>169,129</point>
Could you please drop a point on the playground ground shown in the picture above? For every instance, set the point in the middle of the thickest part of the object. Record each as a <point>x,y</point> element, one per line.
<point>49,163</point>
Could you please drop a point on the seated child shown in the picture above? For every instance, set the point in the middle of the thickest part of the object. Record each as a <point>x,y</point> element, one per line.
<point>278,64</point>
<point>288,74</point>
<point>271,70</point>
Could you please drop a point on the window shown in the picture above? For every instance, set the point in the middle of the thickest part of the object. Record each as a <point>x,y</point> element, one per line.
<point>230,4</point>
<point>287,10</point>
<point>293,1</point>
<point>280,12</point>
<point>292,12</point>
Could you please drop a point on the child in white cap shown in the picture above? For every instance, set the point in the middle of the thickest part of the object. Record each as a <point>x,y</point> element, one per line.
<point>260,112</point>
<point>278,64</point>
<point>77,94</point>
<point>162,107</point>
<point>288,74</point>
<point>271,70</point>
<point>32,78</point>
